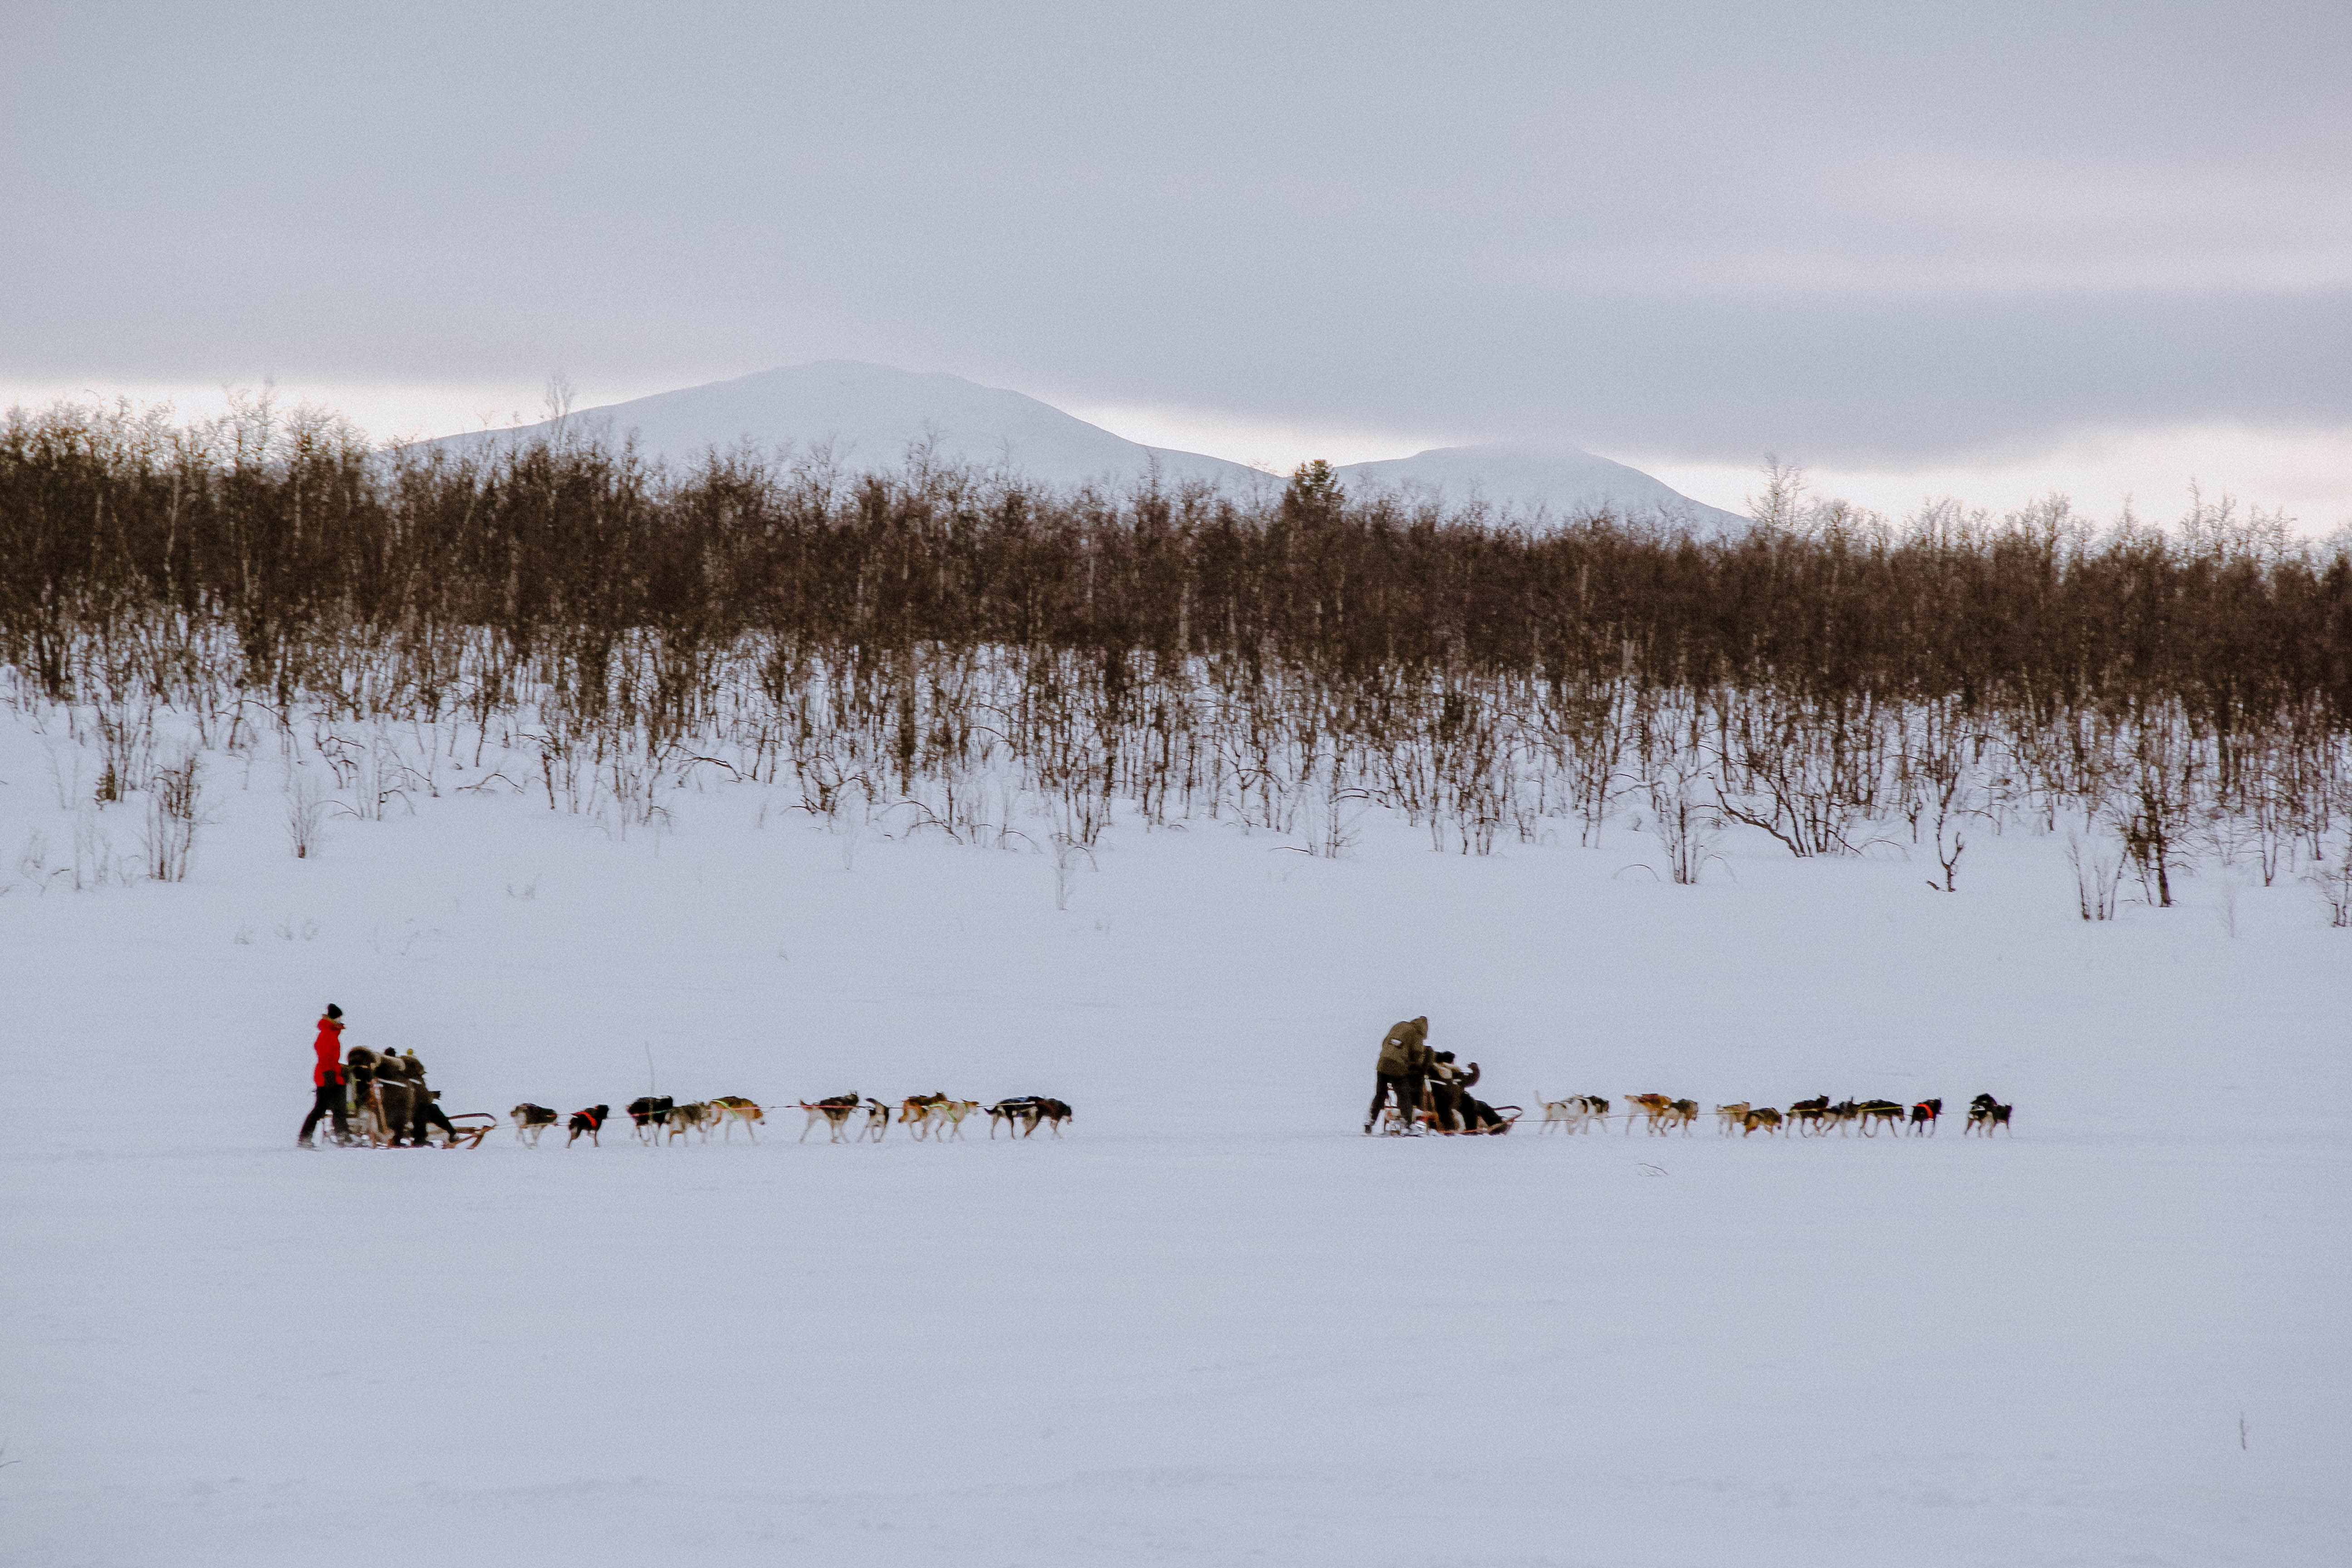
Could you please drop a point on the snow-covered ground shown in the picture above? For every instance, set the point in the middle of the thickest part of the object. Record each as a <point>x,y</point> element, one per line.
<point>1215,1324</point>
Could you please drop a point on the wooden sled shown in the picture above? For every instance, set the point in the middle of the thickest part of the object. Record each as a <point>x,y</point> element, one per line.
<point>470,1128</point>
<point>1504,1116</point>
<point>1397,1123</point>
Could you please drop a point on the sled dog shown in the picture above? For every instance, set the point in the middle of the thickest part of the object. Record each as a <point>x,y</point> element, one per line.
<point>691,1118</point>
<point>915,1112</point>
<point>1020,1115</point>
<point>1874,1113</point>
<point>1985,1113</point>
<point>1652,1106</point>
<point>833,1113</point>
<point>646,1114</point>
<point>531,1120</point>
<point>730,1109</point>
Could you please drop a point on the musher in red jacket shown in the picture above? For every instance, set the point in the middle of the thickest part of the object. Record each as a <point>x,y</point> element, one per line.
<point>326,1077</point>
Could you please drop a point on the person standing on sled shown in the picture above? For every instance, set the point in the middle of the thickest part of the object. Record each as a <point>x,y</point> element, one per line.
<point>1405,1061</point>
<point>327,1079</point>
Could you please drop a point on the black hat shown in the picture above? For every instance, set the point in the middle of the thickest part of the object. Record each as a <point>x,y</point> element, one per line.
<point>333,1011</point>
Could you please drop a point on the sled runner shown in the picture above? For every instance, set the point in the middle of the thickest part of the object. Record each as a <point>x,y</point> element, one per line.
<point>1395,1123</point>
<point>470,1126</point>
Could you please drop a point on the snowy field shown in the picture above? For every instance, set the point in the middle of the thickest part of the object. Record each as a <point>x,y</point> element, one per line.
<point>1215,1324</point>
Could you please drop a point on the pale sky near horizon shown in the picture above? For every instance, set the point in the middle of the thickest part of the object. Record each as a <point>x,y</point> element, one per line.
<point>1988,249</point>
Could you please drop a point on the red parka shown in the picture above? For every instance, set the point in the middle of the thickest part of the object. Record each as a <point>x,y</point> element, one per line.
<point>330,1047</point>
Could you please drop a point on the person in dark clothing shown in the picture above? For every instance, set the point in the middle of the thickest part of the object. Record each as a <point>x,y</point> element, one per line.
<point>425,1105</point>
<point>400,1088</point>
<point>327,1079</point>
<point>1477,1116</point>
<point>1404,1062</point>
<point>359,1069</point>
<point>1445,1087</point>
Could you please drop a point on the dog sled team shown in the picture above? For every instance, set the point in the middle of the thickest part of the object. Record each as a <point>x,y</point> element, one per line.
<point>380,1099</point>
<point>1815,1118</point>
<point>1418,1090</point>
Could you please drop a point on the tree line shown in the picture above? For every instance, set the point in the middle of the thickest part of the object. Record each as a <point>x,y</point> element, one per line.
<point>893,637</point>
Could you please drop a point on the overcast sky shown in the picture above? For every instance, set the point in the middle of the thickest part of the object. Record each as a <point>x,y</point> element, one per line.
<point>1909,246</point>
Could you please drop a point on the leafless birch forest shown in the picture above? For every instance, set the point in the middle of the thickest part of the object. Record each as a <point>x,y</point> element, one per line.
<point>940,650</point>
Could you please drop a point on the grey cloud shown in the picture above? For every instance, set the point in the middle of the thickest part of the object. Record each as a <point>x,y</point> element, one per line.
<point>1851,231</point>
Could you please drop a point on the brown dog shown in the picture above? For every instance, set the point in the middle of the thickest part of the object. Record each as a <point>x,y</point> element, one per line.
<point>531,1120</point>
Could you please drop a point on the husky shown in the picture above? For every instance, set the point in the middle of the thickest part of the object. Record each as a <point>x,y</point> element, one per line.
<point>1874,1113</point>
<point>1653,1105</point>
<point>1985,1114</point>
<point>693,1117</point>
<point>646,1114</point>
<point>531,1120</point>
<point>946,1116</point>
<point>730,1109</point>
<point>833,1112</point>
<point>1020,1115</point>
<point>915,1114</point>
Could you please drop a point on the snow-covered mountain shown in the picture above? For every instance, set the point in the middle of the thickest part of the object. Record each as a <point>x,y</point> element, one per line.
<point>874,417</point>
<point>1559,481</point>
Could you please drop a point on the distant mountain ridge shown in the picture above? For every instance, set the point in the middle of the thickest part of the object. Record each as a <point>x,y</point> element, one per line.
<point>1564,482</point>
<point>872,417</point>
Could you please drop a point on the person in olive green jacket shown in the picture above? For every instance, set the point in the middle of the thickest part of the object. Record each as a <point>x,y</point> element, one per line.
<point>1404,1062</point>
